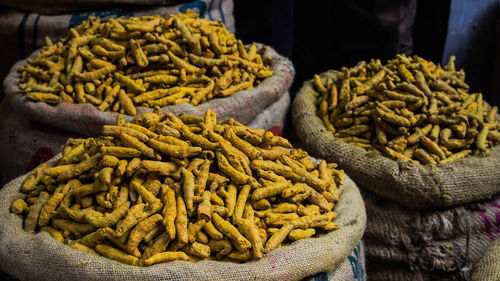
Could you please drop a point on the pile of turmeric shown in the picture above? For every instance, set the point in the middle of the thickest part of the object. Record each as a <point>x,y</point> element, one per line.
<point>143,61</point>
<point>166,187</point>
<point>409,109</point>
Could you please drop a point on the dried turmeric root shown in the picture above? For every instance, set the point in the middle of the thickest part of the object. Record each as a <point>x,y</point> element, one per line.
<point>128,196</point>
<point>409,109</point>
<point>147,61</point>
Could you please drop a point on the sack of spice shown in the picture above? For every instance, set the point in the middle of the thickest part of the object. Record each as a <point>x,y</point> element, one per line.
<point>408,131</point>
<point>183,63</point>
<point>186,191</point>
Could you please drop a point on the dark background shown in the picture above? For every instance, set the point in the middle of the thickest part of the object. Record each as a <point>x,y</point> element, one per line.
<point>322,35</point>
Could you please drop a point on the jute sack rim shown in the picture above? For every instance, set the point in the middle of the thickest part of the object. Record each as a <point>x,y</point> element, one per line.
<point>416,187</point>
<point>40,257</point>
<point>243,105</point>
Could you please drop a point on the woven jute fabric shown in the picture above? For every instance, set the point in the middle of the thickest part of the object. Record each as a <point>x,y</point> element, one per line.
<point>445,243</point>
<point>418,187</point>
<point>488,267</point>
<point>40,257</point>
<point>86,119</point>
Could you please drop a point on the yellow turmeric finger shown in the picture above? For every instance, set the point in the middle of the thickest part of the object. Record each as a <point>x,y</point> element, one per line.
<point>212,231</point>
<point>73,227</point>
<point>277,238</point>
<point>251,232</point>
<point>169,212</point>
<point>277,219</point>
<point>108,219</point>
<point>313,221</point>
<point>202,176</point>
<point>164,168</point>
<point>120,152</point>
<point>240,242</point>
<point>48,210</point>
<point>181,222</point>
<point>249,150</point>
<point>80,247</point>
<point>306,177</point>
<point>188,188</point>
<point>298,234</point>
<point>56,234</point>
<point>93,239</point>
<point>19,206</point>
<point>240,203</point>
<point>115,254</point>
<point>174,150</point>
<point>166,257</point>
<point>194,228</point>
<point>114,131</point>
<point>133,142</point>
<point>34,212</point>
<point>58,170</point>
<point>224,166</point>
<point>159,245</point>
<point>73,155</point>
<point>80,168</point>
<point>44,97</point>
<point>205,206</point>
<point>126,103</point>
<point>432,147</point>
<point>269,191</point>
<point>198,250</point>
<point>141,230</point>
<point>34,178</point>
<point>109,161</point>
<point>198,139</point>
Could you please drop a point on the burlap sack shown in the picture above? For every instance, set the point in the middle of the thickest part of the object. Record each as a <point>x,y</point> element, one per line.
<point>86,119</point>
<point>417,187</point>
<point>40,257</point>
<point>25,144</point>
<point>488,267</point>
<point>403,244</point>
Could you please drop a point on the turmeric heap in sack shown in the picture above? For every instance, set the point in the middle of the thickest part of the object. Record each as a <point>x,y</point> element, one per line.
<point>408,109</point>
<point>143,61</point>
<point>164,188</point>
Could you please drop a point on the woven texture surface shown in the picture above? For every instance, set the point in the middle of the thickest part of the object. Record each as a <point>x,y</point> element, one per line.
<point>404,244</point>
